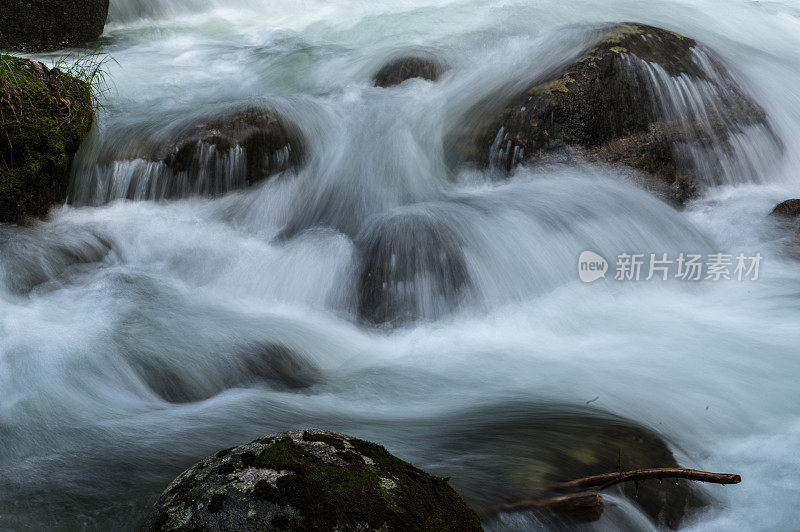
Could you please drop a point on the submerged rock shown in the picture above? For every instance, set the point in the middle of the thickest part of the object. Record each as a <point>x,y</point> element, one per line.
<point>592,446</point>
<point>207,156</point>
<point>413,267</point>
<point>401,69</point>
<point>46,26</point>
<point>273,365</point>
<point>44,116</point>
<point>31,257</point>
<point>311,480</point>
<point>533,448</point>
<point>640,96</point>
<point>789,209</point>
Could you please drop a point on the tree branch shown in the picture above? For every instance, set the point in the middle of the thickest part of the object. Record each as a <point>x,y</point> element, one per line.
<point>609,479</point>
<point>583,502</point>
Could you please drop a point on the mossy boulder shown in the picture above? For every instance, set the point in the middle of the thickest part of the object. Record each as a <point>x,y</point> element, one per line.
<point>413,267</point>
<point>46,26</point>
<point>402,69</point>
<point>311,480</point>
<point>214,154</point>
<point>44,116</point>
<point>639,96</point>
<point>789,209</point>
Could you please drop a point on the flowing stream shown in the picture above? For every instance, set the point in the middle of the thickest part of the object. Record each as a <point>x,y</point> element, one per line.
<point>131,326</point>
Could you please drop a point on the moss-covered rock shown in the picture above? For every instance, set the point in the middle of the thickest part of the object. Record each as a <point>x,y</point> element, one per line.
<point>310,480</point>
<point>45,26</point>
<point>640,96</point>
<point>401,69</point>
<point>44,117</point>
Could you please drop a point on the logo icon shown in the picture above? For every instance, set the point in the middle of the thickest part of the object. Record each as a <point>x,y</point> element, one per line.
<point>591,266</point>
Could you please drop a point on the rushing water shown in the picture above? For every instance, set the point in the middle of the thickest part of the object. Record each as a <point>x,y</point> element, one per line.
<point>170,299</point>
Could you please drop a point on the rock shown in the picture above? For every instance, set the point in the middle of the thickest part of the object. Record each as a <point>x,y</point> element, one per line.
<point>401,69</point>
<point>47,26</point>
<point>789,209</point>
<point>213,155</point>
<point>310,480</point>
<point>413,267</point>
<point>552,445</point>
<point>640,96</point>
<point>30,257</point>
<point>268,364</point>
<point>44,116</point>
<point>592,446</point>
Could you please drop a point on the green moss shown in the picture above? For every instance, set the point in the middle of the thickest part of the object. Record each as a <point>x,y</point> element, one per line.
<point>333,441</point>
<point>369,491</point>
<point>422,494</point>
<point>43,120</point>
<point>327,493</point>
<point>559,85</point>
<point>622,32</point>
<point>592,55</point>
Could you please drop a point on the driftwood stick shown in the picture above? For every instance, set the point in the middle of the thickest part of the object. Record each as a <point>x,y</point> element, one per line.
<point>609,479</point>
<point>585,504</point>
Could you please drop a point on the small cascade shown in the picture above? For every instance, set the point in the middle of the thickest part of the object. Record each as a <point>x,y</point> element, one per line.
<point>719,136</point>
<point>212,174</point>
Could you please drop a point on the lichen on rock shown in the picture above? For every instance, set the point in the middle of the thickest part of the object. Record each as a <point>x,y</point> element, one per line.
<point>44,116</point>
<point>309,480</point>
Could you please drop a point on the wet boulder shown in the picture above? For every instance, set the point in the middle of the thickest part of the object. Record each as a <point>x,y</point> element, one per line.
<point>639,96</point>
<point>413,267</point>
<point>44,117</point>
<point>311,480</point>
<point>47,26</point>
<point>788,210</point>
<point>268,364</point>
<point>402,69</point>
<point>205,156</point>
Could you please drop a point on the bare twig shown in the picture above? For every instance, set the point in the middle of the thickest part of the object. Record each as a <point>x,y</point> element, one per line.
<point>587,506</point>
<point>609,479</point>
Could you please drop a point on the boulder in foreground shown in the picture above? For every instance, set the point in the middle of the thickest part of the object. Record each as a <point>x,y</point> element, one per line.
<point>309,480</point>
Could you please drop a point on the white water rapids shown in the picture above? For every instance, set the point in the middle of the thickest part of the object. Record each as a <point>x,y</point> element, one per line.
<point>191,286</point>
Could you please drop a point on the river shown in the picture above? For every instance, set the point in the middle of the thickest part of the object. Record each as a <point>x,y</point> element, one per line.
<point>192,287</point>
